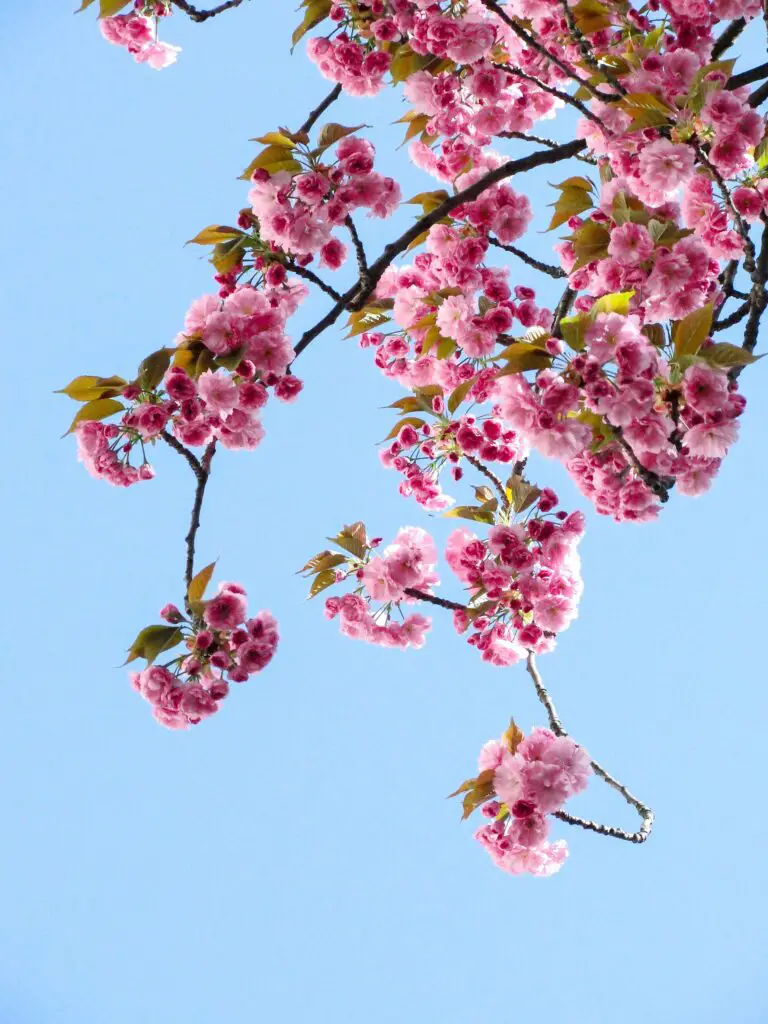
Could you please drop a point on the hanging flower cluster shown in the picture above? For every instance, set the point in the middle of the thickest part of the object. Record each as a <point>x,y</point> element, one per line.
<point>222,645</point>
<point>137,33</point>
<point>523,781</point>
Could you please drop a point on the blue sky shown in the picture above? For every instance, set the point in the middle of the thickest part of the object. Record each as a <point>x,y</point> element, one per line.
<point>295,859</point>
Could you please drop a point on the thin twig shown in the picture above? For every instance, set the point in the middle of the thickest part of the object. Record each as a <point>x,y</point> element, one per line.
<point>756,74</point>
<point>355,297</point>
<point>310,275</point>
<point>565,97</point>
<point>321,108</point>
<point>362,261</point>
<point>489,475</point>
<point>561,311</point>
<point>194,525</point>
<point>199,16</point>
<point>191,458</point>
<point>540,140</point>
<point>586,50</point>
<point>534,44</point>
<point>555,724</point>
<point>729,36</point>
<point>420,595</point>
<point>544,268</point>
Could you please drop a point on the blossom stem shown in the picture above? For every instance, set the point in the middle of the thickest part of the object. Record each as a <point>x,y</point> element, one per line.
<point>443,602</point>
<point>489,475</point>
<point>544,268</point>
<point>645,813</point>
<point>200,16</point>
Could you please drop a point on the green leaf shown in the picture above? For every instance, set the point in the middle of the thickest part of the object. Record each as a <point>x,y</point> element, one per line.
<point>572,201</point>
<point>227,255</point>
<point>520,493</point>
<point>429,201</point>
<point>272,159</point>
<point>475,513</point>
<point>726,356</point>
<point>520,357</point>
<point>572,329</point>
<point>196,589</point>
<point>231,360</point>
<point>83,5</point>
<point>315,12</point>
<point>84,389</point>
<point>98,409</point>
<point>512,737</point>
<point>761,153</point>
<point>107,8</point>
<point>352,539</point>
<point>321,582</point>
<point>406,421</point>
<point>275,139</point>
<point>331,133</point>
<point>591,16</point>
<point>152,369</point>
<point>617,302</point>
<point>214,233</point>
<point>325,560</point>
<point>689,334</point>
<point>152,641</point>
<point>459,393</point>
<point>366,319</point>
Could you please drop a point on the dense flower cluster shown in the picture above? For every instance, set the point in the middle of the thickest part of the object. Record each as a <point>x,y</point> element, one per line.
<point>524,579</point>
<point>224,646</point>
<point>297,212</point>
<point>137,33</point>
<point>383,581</point>
<point>522,782</point>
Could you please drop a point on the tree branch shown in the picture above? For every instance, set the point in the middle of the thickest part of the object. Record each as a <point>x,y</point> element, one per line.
<point>729,36</point>
<point>544,268</point>
<point>321,108</point>
<point>194,524</point>
<point>645,813</point>
<point>756,74</point>
<point>310,275</point>
<point>420,595</point>
<point>362,262</point>
<point>200,16</point>
<point>489,475</point>
<point>540,140</point>
<point>355,297</point>
<point>534,44</point>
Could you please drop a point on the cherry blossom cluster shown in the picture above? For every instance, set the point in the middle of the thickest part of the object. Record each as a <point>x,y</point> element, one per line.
<point>198,399</point>
<point>522,783</point>
<point>422,450</point>
<point>297,210</point>
<point>223,646</point>
<point>524,581</point>
<point>383,584</point>
<point>137,33</point>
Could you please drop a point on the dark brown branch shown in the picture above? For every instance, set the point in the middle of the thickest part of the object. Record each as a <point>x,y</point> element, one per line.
<point>355,297</point>
<point>362,261</point>
<point>733,318</point>
<point>321,108</point>
<point>759,95</point>
<point>587,53</point>
<point>756,74</point>
<point>420,595</point>
<point>729,36</point>
<point>489,475</point>
<point>194,525</point>
<point>645,813</point>
<point>177,446</point>
<point>544,268</point>
<point>199,16</point>
<point>540,140</point>
<point>534,44</point>
<point>310,275</point>
<point>563,96</point>
<point>561,310</point>
<point>660,486</point>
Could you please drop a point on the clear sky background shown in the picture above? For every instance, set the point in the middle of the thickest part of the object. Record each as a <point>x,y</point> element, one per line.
<point>295,859</point>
